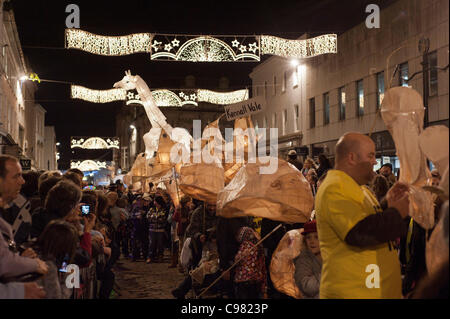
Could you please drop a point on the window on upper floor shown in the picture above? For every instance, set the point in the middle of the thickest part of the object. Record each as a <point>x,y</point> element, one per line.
<point>432,64</point>
<point>274,85</point>
<point>312,112</point>
<point>295,79</point>
<point>341,101</point>
<point>359,98</point>
<point>380,88</point>
<point>403,74</point>
<point>326,108</point>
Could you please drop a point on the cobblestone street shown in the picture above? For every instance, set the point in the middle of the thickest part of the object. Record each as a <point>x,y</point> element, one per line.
<point>139,280</point>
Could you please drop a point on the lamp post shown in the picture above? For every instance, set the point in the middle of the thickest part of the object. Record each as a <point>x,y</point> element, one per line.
<point>424,47</point>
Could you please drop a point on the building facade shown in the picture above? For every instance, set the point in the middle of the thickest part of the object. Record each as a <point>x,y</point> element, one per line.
<point>21,119</point>
<point>50,160</point>
<point>313,103</point>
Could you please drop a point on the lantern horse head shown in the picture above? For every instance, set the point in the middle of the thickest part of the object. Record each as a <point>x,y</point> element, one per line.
<point>127,83</point>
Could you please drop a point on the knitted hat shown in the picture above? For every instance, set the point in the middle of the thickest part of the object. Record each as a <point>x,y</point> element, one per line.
<point>309,227</point>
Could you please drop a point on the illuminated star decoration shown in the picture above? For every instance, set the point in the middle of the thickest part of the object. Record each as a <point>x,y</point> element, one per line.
<point>235,43</point>
<point>242,48</point>
<point>253,47</point>
<point>175,42</point>
<point>167,47</point>
<point>130,95</point>
<point>156,45</point>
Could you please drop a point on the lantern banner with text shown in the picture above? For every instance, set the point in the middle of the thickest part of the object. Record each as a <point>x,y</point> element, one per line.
<point>245,108</point>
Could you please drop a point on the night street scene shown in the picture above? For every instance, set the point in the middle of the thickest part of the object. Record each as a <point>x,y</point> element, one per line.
<point>224,158</point>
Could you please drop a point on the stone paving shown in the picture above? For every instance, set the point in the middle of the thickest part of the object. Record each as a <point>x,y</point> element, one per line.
<point>139,280</point>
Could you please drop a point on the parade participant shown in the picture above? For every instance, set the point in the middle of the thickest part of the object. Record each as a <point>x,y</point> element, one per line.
<point>157,218</point>
<point>123,229</point>
<point>200,258</point>
<point>354,232</point>
<point>270,245</point>
<point>202,218</point>
<point>308,265</point>
<point>181,217</point>
<point>250,275</point>
<point>228,246</point>
<point>139,231</point>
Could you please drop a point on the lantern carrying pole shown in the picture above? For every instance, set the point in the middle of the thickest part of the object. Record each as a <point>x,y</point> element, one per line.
<point>176,182</point>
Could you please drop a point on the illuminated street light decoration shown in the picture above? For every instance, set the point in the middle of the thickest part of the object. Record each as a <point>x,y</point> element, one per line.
<point>236,48</point>
<point>206,48</point>
<point>107,45</point>
<point>88,165</point>
<point>94,143</point>
<point>97,96</point>
<point>299,48</point>
<point>163,97</point>
<point>222,98</point>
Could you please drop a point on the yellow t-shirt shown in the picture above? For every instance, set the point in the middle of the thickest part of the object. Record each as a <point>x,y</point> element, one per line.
<point>340,204</point>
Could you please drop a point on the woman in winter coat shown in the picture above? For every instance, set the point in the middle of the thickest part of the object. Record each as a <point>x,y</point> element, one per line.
<point>308,265</point>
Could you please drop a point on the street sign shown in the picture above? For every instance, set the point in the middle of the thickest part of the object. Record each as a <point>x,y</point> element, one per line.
<point>245,108</point>
<point>25,163</point>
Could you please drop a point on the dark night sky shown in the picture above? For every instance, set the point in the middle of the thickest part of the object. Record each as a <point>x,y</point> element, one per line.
<point>41,23</point>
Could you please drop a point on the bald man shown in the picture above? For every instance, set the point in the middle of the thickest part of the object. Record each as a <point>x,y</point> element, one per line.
<point>355,234</point>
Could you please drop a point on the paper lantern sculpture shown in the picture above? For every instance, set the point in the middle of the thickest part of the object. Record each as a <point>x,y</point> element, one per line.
<point>241,146</point>
<point>140,167</point>
<point>434,143</point>
<point>204,180</point>
<point>403,112</point>
<point>162,163</point>
<point>282,266</point>
<point>284,195</point>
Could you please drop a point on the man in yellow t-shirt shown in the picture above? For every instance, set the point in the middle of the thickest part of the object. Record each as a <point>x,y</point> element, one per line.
<point>355,234</point>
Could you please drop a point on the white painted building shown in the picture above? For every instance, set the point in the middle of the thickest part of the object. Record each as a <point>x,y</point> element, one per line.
<point>21,120</point>
<point>12,105</point>
<point>315,103</point>
<point>50,158</point>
